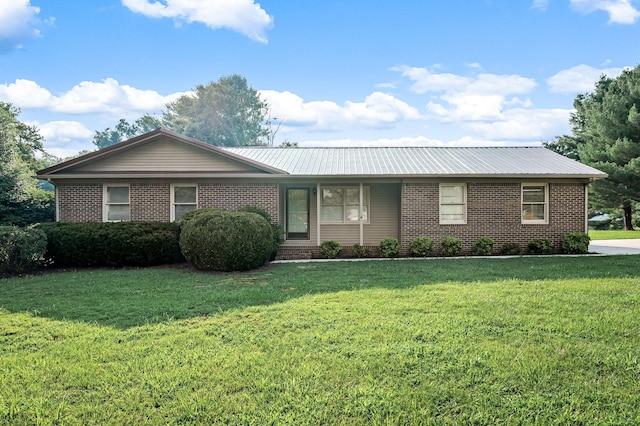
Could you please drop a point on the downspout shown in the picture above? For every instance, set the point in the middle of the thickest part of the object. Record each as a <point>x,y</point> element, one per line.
<point>318,207</point>
<point>360,215</point>
<point>57,201</point>
<point>586,208</point>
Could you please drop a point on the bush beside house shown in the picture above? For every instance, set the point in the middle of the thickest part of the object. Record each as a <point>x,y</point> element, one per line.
<point>218,240</point>
<point>21,249</point>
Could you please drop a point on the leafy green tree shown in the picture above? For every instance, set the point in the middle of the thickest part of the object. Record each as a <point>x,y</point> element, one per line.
<point>125,130</point>
<point>224,113</point>
<point>22,201</point>
<point>606,135</point>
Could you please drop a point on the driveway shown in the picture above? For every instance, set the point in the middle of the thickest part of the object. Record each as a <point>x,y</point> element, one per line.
<point>615,246</point>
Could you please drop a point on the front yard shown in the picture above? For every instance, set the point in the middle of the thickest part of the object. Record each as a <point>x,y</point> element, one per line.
<point>547,340</point>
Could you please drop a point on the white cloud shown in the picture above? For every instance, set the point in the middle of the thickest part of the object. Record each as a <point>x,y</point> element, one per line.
<point>243,16</point>
<point>540,4</point>
<point>88,97</point>
<point>620,11</point>
<point>468,98</point>
<point>524,124</point>
<point>26,94</point>
<point>64,138</point>
<point>18,23</point>
<point>378,110</point>
<point>579,79</point>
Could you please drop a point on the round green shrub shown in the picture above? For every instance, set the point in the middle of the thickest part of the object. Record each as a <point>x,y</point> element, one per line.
<point>330,249</point>
<point>389,247</point>
<point>226,241</point>
<point>450,246</point>
<point>278,230</point>
<point>421,246</point>
<point>541,246</point>
<point>576,243</point>
<point>510,249</point>
<point>360,251</point>
<point>482,247</point>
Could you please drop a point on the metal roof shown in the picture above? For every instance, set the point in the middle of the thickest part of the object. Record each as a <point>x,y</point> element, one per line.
<point>420,161</point>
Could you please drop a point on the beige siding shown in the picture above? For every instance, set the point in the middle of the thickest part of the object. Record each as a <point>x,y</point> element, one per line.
<point>384,223</point>
<point>166,155</point>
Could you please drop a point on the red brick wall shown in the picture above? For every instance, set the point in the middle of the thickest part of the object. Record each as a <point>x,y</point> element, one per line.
<point>79,202</point>
<point>493,210</point>
<point>235,196</point>
<point>152,201</point>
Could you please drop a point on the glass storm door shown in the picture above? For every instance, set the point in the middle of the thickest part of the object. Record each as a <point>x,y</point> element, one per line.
<point>297,213</point>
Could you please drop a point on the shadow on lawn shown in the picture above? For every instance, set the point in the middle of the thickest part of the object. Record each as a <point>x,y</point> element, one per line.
<point>127,298</point>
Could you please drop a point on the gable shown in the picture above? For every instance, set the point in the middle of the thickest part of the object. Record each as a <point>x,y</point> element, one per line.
<point>167,155</point>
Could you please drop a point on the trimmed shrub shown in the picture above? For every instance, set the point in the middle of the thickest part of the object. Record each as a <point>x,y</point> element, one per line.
<point>21,249</point>
<point>193,214</point>
<point>421,246</point>
<point>482,247</point>
<point>510,249</point>
<point>542,246</point>
<point>278,230</point>
<point>360,251</point>
<point>112,243</point>
<point>576,243</point>
<point>226,241</point>
<point>389,247</point>
<point>450,246</point>
<point>330,249</point>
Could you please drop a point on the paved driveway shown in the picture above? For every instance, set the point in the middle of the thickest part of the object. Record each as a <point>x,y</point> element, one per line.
<point>615,246</point>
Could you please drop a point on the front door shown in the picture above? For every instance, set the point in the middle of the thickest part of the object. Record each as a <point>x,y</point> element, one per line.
<point>297,213</point>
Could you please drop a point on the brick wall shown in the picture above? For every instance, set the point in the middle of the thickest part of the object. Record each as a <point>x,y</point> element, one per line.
<point>234,196</point>
<point>79,202</point>
<point>150,202</point>
<point>493,210</point>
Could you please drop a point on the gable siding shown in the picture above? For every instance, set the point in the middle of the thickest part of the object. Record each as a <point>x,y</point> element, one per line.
<point>166,155</point>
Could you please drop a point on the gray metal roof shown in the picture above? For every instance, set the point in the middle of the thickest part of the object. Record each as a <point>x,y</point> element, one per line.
<point>420,161</point>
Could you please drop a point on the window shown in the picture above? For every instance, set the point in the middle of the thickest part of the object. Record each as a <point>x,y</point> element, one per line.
<point>453,203</point>
<point>535,198</point>
<point>116,203</point>
<point>184,198</point>
<point>341,204</point>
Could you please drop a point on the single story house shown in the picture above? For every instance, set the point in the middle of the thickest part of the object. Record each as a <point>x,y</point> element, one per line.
<point>353,195</point>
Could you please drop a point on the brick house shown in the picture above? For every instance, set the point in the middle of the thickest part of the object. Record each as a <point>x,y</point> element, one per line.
<point>353,195</point>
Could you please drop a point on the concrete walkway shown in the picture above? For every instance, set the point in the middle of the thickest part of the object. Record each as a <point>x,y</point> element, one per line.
<point>615,246</point>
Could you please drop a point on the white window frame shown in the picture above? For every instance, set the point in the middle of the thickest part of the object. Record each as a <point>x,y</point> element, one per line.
<point>366,201</point>
<point>173,194</point>
<point>544,203</point>
<point>462,221</point>
<point>106,204</point>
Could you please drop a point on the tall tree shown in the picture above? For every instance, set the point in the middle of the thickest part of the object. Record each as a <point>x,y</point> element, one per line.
<point>21,200</point>
<point>225,113</point>
<point>606,132</point>
<point>125,130</point>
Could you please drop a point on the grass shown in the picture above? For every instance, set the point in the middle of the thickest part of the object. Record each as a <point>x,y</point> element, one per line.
<point>472,341</point>
<point>618,234</point>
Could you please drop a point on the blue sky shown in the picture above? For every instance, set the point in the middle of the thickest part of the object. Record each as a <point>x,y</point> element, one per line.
<point>424,72</point>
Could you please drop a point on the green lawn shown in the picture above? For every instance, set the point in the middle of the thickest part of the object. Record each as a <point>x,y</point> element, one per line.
<point>535,340</point>
<point>619,234</point>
